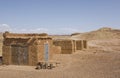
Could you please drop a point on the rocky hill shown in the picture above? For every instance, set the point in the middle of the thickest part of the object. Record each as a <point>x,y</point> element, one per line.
<point>102,33</point>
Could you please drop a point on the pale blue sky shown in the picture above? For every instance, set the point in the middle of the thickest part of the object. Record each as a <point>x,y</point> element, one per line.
<point>58,16</point>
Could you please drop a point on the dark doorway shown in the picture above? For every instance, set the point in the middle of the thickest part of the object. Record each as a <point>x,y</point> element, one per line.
<point>19,55</point>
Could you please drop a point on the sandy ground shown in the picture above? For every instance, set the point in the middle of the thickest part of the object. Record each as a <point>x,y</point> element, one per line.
<point>102,60</point>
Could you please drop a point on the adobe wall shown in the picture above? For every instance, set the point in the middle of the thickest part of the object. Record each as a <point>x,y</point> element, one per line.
<point>67,46</point>
<point>33,55</point>
<point>85,44</point>
<point>34,43</point>
<point>16,35</point>
<point>81,44</point>
<point>41,49</point>
<point>56,49</point>
<point>6,54</point>
<point>74,45</point>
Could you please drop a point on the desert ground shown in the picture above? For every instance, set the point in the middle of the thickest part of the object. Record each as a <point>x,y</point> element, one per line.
<point>100,60</point>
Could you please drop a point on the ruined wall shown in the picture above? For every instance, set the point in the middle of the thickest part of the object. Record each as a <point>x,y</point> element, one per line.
<point>81,44</point>
<point>74,45</point>
<point>70,46</point>
<point>85,44</point>
<point>67,46</point>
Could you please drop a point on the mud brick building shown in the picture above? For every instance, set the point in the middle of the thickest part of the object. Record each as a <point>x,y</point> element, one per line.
<point>69,46</point>
<point>27,49</point>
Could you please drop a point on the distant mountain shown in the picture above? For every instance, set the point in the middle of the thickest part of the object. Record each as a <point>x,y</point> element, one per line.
<point>102,33</point>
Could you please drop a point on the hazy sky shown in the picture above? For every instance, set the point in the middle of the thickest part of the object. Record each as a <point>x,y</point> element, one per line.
<point>58,16</point>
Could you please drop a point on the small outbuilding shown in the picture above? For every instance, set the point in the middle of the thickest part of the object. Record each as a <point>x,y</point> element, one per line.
<point>69,46</point>
<point>27,49</point>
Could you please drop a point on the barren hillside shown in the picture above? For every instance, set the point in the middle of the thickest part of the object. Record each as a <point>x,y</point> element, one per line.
<point>103,33</point>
